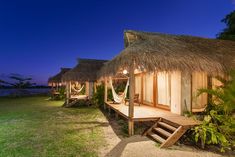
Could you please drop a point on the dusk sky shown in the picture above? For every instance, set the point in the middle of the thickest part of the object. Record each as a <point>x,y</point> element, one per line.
<point>39,37</point>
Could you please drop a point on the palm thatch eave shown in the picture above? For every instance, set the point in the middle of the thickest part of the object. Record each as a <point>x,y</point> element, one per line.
<point>58,77</point>
<point>163,52</point>
<point>85,70</point>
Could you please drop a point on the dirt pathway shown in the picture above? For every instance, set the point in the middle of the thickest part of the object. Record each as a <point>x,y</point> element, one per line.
<point>138,146</point>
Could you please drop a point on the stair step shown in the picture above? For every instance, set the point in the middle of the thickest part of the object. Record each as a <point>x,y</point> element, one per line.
<point>156,137</point>
<point>162,131</point>
<point>165,125</point>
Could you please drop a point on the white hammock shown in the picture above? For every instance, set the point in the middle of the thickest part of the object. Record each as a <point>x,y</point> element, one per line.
<point>77,91</point>
<point>119,98</point>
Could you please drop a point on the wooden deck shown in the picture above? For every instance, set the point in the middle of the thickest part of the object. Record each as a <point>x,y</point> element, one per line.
<point>147,113</point>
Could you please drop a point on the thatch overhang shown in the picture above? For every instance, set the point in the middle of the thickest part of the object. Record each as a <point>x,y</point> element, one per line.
<point>85,70</point>
<point>58,77</point>
<point>165,52</point>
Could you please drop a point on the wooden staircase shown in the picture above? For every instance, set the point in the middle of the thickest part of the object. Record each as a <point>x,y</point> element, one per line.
<point>165,132</point>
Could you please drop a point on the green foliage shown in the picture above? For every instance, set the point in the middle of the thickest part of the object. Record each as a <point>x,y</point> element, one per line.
<point>110,95</point>
<point>83,92</point>
<point>218,126</point>
<point>60,96</point>
<point>209,132</point>
<point>98,96</point>
<point>62,93</point>
<point>229,32</point>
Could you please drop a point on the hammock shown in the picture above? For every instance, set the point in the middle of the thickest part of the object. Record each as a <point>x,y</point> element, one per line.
<point>119,98</point>
<point>77,91</point>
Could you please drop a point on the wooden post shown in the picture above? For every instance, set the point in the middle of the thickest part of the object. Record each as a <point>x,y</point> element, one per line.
<point>70,89</point>
<point>57,87</point>
<point>142,88</point>
<point>131,101</point>
<point>105,92</point>
<point>95,85</point>
<point>87,88</point>
<point>67,92</point>
<point>155,89</point>
<point>91,89</point>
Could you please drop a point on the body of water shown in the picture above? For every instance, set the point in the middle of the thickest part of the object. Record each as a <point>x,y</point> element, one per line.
<point>30,91</point>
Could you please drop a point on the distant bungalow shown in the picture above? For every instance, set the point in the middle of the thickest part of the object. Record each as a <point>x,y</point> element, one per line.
<point>81,78</point>
<point>56,80</point>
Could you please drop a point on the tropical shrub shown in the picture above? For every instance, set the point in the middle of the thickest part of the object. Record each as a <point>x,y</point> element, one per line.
<point>98,96</point>
<point>218,126</point>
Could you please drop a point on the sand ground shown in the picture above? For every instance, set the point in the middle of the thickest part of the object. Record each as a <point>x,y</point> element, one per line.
<point>139,146</point>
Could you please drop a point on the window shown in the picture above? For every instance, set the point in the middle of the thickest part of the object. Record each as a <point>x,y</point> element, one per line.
<point>148,88</point>
<point>138,85</point>
<point>163,90</point>
<point>199,81</point>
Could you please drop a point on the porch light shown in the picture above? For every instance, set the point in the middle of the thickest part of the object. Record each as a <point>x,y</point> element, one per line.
<point>125,72</point>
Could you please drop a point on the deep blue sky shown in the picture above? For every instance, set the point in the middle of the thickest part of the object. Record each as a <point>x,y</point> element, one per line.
<point>38,37</point>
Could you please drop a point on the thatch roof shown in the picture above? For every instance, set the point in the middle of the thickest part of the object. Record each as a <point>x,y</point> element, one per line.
<point>58,77</point>
<point>165,52</point>
<point>85,70</point>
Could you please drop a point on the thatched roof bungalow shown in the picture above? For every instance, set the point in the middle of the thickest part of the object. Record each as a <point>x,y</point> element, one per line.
<point>165,52</point>
<point>57,79</point>
<point>166,71</point>
<point>85,72</point>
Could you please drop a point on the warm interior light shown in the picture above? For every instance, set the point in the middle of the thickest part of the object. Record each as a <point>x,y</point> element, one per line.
<point>124,72</point>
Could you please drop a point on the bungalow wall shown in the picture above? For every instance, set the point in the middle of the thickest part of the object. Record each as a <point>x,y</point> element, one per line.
<point>175,91</point>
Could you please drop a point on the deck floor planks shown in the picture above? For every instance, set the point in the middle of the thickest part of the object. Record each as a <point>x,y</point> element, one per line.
<point>147,113</point>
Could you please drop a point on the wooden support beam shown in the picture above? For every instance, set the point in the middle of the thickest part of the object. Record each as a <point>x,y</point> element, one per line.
<point>131,101</point>
<point>95,87</point>
<point>91,89</point>
<point>87,88</point>
<point>131,126</point>
<point>67,92</point>
<point>57,86</point>
<point>105,92</point>
<point>155,89</point>
<point>70,89</point>
<point>142,88</point>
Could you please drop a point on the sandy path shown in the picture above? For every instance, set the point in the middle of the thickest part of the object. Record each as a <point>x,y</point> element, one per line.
<point>149,149</point>
<point>138,146</point>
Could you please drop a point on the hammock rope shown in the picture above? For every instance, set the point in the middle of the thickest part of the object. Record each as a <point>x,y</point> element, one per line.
<point>119,98</point>
<point>77,91</point>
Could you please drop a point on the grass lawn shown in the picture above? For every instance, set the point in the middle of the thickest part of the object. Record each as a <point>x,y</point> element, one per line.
<point>34,126</point>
